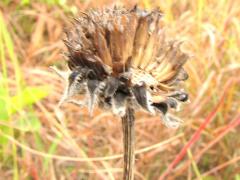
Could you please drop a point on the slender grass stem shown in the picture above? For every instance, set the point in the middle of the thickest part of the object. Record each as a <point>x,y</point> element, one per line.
<point>128,142</point>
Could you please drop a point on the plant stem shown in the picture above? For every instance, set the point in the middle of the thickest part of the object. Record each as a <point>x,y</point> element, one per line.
<point>128,142</point>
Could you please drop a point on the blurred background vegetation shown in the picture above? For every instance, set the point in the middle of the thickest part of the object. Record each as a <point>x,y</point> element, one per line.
<point>40,141</point>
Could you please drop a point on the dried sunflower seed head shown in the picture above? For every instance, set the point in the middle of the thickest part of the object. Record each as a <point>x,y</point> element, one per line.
<point>120,57</point>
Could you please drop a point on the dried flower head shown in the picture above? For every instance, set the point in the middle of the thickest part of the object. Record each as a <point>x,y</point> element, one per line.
<point>120,58</point>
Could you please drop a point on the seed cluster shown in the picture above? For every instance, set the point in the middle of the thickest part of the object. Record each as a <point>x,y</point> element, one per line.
<point>120,58</point>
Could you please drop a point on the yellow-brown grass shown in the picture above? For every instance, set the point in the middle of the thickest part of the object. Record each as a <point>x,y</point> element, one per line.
<point>71,145</point>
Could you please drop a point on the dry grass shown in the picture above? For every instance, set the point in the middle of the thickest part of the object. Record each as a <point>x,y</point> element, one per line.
<point>68,144</point>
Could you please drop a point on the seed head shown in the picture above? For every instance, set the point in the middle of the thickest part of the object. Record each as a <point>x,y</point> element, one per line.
<point>120,57</point>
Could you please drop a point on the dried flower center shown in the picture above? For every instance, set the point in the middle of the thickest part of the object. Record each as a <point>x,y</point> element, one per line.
<point>139,76</point>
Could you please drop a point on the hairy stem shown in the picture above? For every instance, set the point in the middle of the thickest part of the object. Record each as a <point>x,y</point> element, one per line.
<point>128,142</point>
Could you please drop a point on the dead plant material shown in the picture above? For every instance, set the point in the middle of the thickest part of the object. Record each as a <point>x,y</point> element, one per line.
<point>121,60</point>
